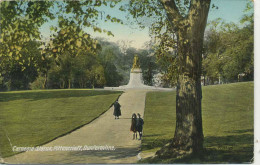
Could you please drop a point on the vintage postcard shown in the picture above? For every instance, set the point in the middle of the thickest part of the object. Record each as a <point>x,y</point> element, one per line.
<point>127,81</point>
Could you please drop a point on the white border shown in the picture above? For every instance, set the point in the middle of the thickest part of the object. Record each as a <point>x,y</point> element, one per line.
<point>257,82</point>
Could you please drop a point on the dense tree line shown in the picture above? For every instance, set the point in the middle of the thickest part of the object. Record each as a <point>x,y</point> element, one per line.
<point>229,51</point>
<point>71,58</point>
<point>82,67</point>
<point>106,66</point>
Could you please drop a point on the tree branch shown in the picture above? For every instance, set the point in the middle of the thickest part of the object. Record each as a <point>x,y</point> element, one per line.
<point>172,11</point>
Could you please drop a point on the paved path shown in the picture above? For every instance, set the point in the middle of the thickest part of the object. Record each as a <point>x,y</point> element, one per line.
<point>103,131</point>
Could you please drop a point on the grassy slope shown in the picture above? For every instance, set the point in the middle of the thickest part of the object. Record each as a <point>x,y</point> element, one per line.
<point>30,118</point>
<point>227,122</point>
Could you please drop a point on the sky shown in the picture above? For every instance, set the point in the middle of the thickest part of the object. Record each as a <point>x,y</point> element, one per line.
<point>228,10</point>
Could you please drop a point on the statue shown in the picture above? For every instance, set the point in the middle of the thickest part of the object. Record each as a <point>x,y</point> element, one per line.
<point>136,64</point>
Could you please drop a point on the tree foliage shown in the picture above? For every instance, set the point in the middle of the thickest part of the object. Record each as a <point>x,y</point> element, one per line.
<point>228,50</point>
<point>110,57</point>
<point>20,23</point>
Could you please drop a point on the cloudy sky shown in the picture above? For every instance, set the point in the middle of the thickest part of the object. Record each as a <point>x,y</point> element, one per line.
<point>228,10</point>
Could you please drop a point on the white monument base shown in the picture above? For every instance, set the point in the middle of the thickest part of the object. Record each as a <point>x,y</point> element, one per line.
<point>136,82</point>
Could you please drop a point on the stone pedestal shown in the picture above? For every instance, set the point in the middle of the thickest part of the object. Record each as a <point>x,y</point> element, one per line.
<point>136,79</point>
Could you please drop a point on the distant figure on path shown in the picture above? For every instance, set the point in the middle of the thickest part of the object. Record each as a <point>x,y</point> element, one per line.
<point>139,126</point>
<point>133,126</point>
<point>117,111</point>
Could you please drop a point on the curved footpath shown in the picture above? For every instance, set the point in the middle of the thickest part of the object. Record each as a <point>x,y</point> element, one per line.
<point>103,131</point>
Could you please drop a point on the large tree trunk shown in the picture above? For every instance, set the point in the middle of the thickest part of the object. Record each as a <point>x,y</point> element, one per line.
<point>188,138</point>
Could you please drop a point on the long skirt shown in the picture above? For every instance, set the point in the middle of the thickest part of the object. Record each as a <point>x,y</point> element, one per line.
<point>133,127</point>
<point>117,112</point>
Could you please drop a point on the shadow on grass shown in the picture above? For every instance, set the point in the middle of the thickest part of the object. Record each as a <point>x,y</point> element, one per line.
<point>219,149</point>
<point>48,94</point>
<point>148,144</point>
<point>241,131</point>
<point>231,149</point>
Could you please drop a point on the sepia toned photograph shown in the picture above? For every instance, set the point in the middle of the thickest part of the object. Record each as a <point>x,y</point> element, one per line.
<point>127,82</point>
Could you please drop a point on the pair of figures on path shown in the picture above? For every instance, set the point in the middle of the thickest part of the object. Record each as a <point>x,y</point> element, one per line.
<point>137,126</point>
<point>136,123</point>
<point>117,110</point>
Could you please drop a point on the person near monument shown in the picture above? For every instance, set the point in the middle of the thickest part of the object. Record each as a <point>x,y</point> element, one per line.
<point>117,110</point>
<point>139,125</point>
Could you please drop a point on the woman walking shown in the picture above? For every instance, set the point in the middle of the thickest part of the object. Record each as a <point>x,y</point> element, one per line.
<point>117,110</point>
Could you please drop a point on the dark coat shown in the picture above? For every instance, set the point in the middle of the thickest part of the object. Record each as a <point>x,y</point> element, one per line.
<point>139,124</point>
<point>117,111</point>
<point>133,125</point>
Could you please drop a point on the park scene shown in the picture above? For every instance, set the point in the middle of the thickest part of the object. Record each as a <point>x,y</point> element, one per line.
<point>127,81</point>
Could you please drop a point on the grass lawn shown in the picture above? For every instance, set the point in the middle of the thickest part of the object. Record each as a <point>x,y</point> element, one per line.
<point>228,123</point>
<point>31,118</point>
